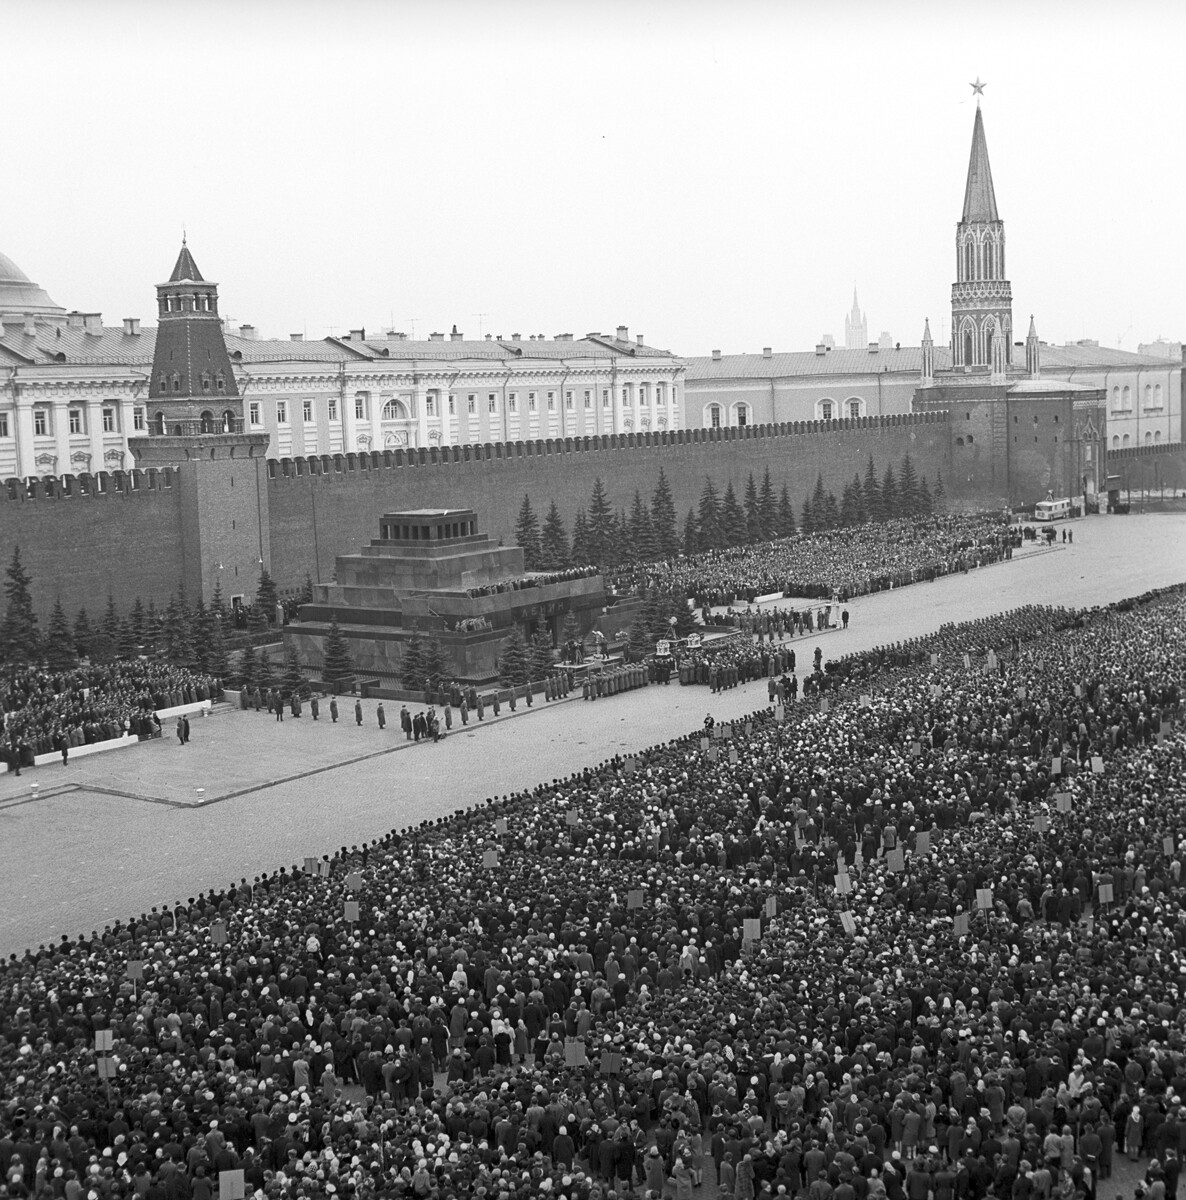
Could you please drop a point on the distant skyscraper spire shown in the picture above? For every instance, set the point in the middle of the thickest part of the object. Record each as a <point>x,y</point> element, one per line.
<point>856,326</point>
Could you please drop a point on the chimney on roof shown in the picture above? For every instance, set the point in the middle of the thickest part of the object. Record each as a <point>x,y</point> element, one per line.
<point>93,322</point>
<point>490,337</point>
<point>638,340</point>
<point>30,326</point>
<point>247,331</point>
<point>436,337</point>
<point>767,351</point>
<point>820,349</point>
<point>716,356</point>
<point>74,320</point>
<point>515,337</point>
<point>131,326</point>
<point>296,337</point>
<point>874,347</point>
<point>358,335</point>
<point>623,333</point>
<point>455,336</point>
<point>394,335</point>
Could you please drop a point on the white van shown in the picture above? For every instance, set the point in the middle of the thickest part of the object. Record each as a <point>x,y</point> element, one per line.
<point>1052,510</point>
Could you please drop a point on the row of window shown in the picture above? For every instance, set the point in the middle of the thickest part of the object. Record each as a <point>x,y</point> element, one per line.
<point>1151,438</point>
<point>1122,398</point>
<point>209,382</point>
<point>825,410</point>
<point>76,423</point>
<point>395,410</point>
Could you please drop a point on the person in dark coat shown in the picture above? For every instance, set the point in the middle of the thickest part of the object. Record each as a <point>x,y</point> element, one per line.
<point>358,712</point>
<point>381,716</point>
<point>314,708</point>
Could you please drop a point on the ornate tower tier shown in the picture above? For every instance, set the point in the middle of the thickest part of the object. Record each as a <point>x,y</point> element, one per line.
<point>981,296</point>
<point>192,380</point>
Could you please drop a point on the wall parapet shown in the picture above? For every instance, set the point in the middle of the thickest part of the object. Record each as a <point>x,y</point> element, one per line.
<point>382,460</point>
<point>135,482</point>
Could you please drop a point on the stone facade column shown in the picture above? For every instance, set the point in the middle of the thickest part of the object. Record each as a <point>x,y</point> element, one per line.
<point>94,429</point>
<point>127,428</point>
<point>420,415</point>
<point>61,431</point>
<point>23,415</point>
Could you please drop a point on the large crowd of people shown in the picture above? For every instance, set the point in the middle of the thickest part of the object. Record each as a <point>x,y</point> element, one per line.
<point>534,580</point>
<point>853,561</point>
<point>924,944</point>
<point>42,711</point>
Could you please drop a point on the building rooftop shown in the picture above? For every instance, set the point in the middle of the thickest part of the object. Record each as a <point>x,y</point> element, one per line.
<point>904,360</point>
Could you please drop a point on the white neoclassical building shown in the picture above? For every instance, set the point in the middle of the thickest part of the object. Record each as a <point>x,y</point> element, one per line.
<point>73,390</point>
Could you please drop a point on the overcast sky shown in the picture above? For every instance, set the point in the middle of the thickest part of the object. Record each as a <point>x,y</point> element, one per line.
<point>713,175</point>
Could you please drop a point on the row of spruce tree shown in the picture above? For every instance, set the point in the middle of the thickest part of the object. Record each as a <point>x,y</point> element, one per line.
<point>647,532</point>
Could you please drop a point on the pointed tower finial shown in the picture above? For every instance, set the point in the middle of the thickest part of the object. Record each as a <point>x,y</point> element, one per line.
<point>927,373</point>
<point>978,89</point>
<point>1033,352</point>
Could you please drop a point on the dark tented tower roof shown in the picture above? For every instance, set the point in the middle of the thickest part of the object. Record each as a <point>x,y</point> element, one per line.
<point>980,201</point>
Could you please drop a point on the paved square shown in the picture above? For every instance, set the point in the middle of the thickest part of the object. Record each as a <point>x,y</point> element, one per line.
<point>113,834</point>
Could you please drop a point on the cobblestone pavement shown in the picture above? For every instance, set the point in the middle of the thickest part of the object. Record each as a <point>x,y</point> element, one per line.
<point>115,833</point>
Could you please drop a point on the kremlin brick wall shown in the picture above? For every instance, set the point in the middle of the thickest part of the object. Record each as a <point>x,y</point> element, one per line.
<point>346,506</point>
<point>81,546</point>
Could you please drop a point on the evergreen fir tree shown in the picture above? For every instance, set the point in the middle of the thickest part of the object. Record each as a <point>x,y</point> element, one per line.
<point>201,635</point>
<point>733,524</point>
<point>216,654</point>
<point>819,505</point>
<point>600,522</point>
<point>20,640</point>
<point>109,625</point>
<point>858,499</point>
<point>925,503</point>
<point>871,492</point>
<point>767,508</point>
<point>60,654</point>
<point>691,538</point>
<point>266,674</point>
<point>708,518</point>
<point>305,595</point>
<point>248,669</point>
<point>540,657</point>
<point>785,524</point>
<point>258,617</point>
<point>753,512</point>
<point>266,597</point>
<point>153,630</point>
<point>436,665</point>
<point>126,644</point>
<point>638,642</point>
<point>553,542</point>
<point>412,664</point>
<point>663,519</point>
<point>581,551</point>
<point>292,678</point>
<point>570,629</point>
<point>939,495</point>
<point>849,511</point>
<point>676,605</point>
<point>642,537</point>
<point>82,634</point>
<point>831,511</point>
<point>889,493</point>
<point>338,666</point>
<point>136,617</point>
<point>527,535</point>
<point>512,662</point>
<point>807,521</point>
<point>908,490</point>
